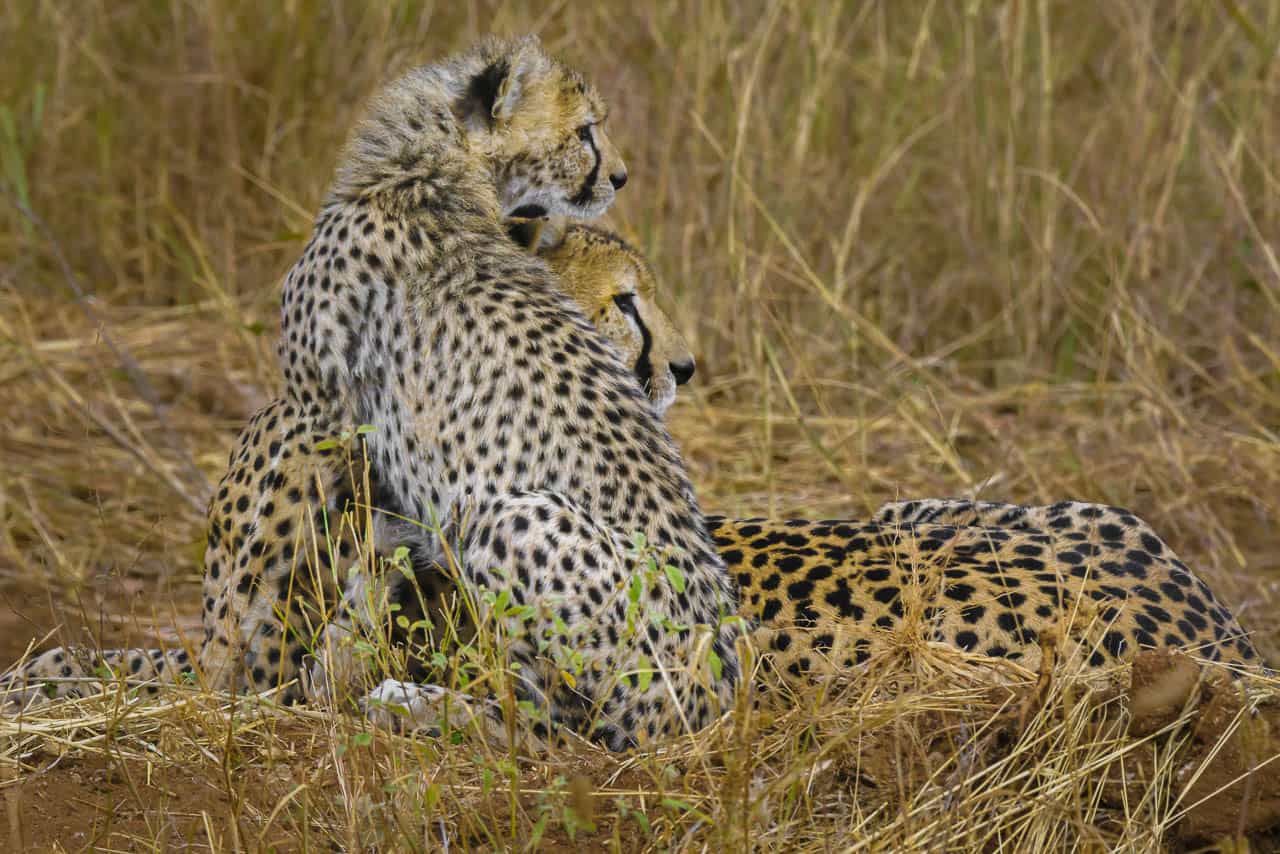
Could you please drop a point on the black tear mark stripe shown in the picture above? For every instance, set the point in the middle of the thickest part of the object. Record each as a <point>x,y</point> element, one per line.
<point>644,365</point>
<point>584,195</point>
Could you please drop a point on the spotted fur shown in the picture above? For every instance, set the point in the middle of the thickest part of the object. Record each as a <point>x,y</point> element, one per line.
<point>498,412</point>
<point>998,580</point>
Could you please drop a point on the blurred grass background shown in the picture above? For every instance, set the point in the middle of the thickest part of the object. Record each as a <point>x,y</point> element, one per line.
<point>1023,250</point>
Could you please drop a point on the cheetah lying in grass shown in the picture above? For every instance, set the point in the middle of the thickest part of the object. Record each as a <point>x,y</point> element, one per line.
<point>499,412</point>
<point>989,578</point>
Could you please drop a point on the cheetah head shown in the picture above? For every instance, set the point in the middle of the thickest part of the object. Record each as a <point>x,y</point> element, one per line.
<point>541,125</point>
<point>617,291</point>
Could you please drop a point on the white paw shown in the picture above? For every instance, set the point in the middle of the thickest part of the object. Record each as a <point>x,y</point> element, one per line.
<point>403,706</point>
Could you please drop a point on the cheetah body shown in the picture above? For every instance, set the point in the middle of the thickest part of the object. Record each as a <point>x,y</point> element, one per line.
<point>1001,580</point>
<point>499,413</point>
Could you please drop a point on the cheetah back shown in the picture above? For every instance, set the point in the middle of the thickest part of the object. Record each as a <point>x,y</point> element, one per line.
<point>830,594</point>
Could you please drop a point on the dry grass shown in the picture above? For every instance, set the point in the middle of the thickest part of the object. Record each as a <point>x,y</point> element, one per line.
<point>1024,250</point>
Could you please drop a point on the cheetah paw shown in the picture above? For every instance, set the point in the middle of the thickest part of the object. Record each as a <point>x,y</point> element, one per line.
<point>407,706</point>
<point>431,710</point>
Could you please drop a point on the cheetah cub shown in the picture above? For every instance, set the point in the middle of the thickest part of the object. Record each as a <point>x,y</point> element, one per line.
<point>499,413</point>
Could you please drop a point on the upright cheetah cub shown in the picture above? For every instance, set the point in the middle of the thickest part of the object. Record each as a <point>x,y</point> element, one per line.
<point>499,412</point>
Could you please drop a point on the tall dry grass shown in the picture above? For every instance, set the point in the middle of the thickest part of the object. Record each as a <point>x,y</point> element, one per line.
<point>1024,250</point>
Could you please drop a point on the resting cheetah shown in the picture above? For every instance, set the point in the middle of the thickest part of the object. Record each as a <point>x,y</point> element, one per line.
<point>989,578</point>
<point>984,576</point>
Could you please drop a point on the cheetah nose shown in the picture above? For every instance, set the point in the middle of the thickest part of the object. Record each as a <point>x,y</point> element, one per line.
<point>618,180</point>
<point>682,371</point>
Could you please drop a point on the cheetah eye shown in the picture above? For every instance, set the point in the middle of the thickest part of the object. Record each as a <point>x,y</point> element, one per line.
<point>584,133</point>
<point>626,303</point>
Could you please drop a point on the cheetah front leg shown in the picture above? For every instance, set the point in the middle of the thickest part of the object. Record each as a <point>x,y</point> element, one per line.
<point>337,665</point>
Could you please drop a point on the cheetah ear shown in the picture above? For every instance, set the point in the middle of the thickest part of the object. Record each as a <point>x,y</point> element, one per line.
<point>499,88</point>
<point>553,232</point>
<point>538,235</point>
<point>525,61</point>
<point>525,233</point>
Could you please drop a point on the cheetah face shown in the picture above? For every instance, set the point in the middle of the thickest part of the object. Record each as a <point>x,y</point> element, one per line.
<point>542,127</point>
<point>617,291</point>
